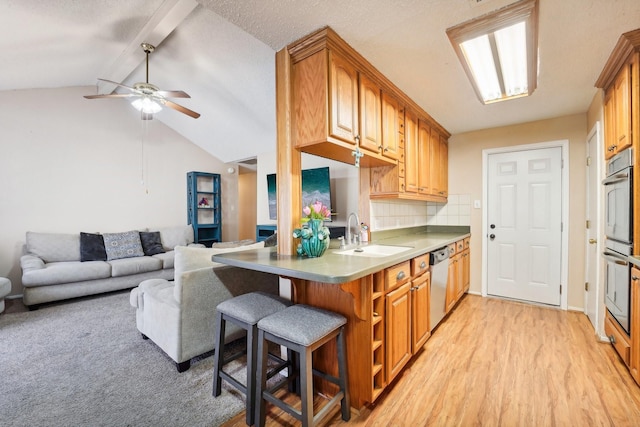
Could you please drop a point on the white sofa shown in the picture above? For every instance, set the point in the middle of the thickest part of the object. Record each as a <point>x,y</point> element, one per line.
<point>53,267</point>
<point>179,316</point>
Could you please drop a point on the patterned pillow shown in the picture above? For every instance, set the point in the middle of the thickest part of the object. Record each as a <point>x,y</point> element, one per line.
<point>122,245</point>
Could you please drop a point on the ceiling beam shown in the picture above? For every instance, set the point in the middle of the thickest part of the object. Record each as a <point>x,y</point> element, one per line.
<point>168,16</point>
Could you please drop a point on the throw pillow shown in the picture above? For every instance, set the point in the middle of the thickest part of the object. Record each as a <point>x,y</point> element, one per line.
<point>92,247</point>
<point>122,245</point>
<point>271,240</point>
<point>151,243</point>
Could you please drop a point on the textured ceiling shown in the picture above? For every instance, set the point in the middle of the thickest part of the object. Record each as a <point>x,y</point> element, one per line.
<point>222,54</point>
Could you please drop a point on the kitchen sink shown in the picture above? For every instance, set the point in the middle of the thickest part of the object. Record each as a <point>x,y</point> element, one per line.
<point>374,251</point>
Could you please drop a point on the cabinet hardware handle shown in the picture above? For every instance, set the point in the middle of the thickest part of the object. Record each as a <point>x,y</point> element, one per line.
<point>612,339</point>
<point>380,147</point>
<point>400,275</point>
<point>635,277</point>
<point>423,264</point>
<point>357,138</point>
<point>386,149</point>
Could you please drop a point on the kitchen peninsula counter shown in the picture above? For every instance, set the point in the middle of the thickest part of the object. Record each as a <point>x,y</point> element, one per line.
<point>356,287</point>
<point>336,268</point>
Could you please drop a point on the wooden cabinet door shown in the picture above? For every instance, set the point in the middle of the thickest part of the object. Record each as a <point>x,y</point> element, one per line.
<point>390,127</point>
<point>344,100</point>
<point>398,325</point>
<point>420,330</point>
<point>452,283</point>
<point>424,174</point>
<point>434,163</point>
<point>444,166</point>
<point>411,157</point>
<point>370,121</point>
<point>609,123</point>
<point>634,362</point>
<point>460,279</point>
<point>622,110</point>
<point>466,270</point>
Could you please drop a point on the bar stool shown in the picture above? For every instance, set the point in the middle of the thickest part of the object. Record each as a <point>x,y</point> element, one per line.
<point>244,311</point>
<point>302,329</point>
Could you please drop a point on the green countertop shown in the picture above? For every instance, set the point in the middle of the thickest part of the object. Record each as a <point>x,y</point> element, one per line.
<point>337,268</point>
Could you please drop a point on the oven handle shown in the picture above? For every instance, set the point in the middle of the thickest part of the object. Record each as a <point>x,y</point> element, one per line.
<point>616,178</point>
<point>618,259</point>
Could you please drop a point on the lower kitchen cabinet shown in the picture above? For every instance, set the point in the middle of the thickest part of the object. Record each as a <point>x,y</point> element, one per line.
<point>398,320</point>
<point>459,272</point>
<point>420,302</point>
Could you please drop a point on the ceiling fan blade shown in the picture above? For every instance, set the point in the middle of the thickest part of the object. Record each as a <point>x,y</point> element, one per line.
<point>173,94</point>
<point>182,109</point>
<point>118,84</point>
<point>113,95</point>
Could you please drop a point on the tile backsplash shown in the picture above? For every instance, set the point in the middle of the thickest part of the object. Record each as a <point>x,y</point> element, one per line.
<point>390,214</point>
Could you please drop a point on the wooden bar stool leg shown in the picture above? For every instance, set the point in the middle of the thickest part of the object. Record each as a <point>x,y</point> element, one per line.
<point>345,405</point>
<point>218,361</point>
<point>306,385</point>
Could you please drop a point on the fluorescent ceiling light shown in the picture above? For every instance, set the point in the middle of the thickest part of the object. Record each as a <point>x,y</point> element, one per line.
<point>498,51</point>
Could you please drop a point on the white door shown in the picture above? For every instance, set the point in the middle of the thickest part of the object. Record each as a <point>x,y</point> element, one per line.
<point>592,261</point>
<point>524,214</point>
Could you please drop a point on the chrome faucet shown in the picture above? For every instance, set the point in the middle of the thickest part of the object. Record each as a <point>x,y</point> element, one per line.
<point>353,238</point>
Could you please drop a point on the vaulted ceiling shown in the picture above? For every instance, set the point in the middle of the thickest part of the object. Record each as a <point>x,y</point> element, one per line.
<point>222,53</point>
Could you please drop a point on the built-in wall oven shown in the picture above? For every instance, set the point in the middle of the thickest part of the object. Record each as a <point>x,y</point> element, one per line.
<point>618,187</point>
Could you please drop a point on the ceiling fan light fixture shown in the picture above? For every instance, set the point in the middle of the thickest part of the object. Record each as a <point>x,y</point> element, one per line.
<point>146,105</point>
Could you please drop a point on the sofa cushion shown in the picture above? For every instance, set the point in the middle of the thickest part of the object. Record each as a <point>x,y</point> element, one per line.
<point>167,259</point>
<point>151,243</point>
<point>123,245</point>
<point>92,247</point>
<point>129,266</point>
<point>53,247</point>
<point>176,236</point>
<point>66,272</point>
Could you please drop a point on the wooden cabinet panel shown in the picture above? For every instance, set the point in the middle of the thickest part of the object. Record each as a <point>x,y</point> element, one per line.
<point>412,158</point>
<point>466,270</point>
<point>443,166</point>
<point>390,127</point>
<point>424,156</point>
<point>420,328</point>
<point>452,280</point>
<point>622,109</point>
<point>370,110</point>
<point>344,99</point>
<point>434,163</point>
<point>398,324</point>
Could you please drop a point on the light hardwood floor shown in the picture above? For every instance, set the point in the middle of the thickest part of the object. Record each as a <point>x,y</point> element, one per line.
<point>502,363</point>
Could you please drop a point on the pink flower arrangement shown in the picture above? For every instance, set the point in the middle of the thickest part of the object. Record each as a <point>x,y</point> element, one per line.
<point>316,211</point>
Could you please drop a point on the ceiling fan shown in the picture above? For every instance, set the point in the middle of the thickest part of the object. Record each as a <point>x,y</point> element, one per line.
<point>149,98</point>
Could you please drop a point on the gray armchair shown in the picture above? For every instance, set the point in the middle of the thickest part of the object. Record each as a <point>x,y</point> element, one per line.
<point>179,316</point>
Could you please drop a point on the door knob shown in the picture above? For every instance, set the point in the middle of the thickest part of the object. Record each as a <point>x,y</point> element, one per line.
<point>492,236</point>
<point>592,241</point>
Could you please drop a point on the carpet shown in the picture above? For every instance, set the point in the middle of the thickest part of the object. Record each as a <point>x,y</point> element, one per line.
<point>84,363</point>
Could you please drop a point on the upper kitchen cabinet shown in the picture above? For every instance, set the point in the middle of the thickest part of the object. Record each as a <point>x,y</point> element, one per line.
<point>341,107</point>
<point>619,80</point>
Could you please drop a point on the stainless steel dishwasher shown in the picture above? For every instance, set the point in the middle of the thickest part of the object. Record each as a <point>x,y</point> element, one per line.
<point>439,262</point>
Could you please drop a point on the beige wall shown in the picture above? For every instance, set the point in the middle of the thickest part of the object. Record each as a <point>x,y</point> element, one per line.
<point>465,177</point>
<point>68,164</point>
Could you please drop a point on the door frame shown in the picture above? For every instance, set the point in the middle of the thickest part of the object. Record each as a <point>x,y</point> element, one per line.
<point>598,164</point>
<point>564,240</point>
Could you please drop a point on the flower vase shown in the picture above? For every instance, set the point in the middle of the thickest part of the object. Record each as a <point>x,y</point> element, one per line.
<point>314,239</point>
